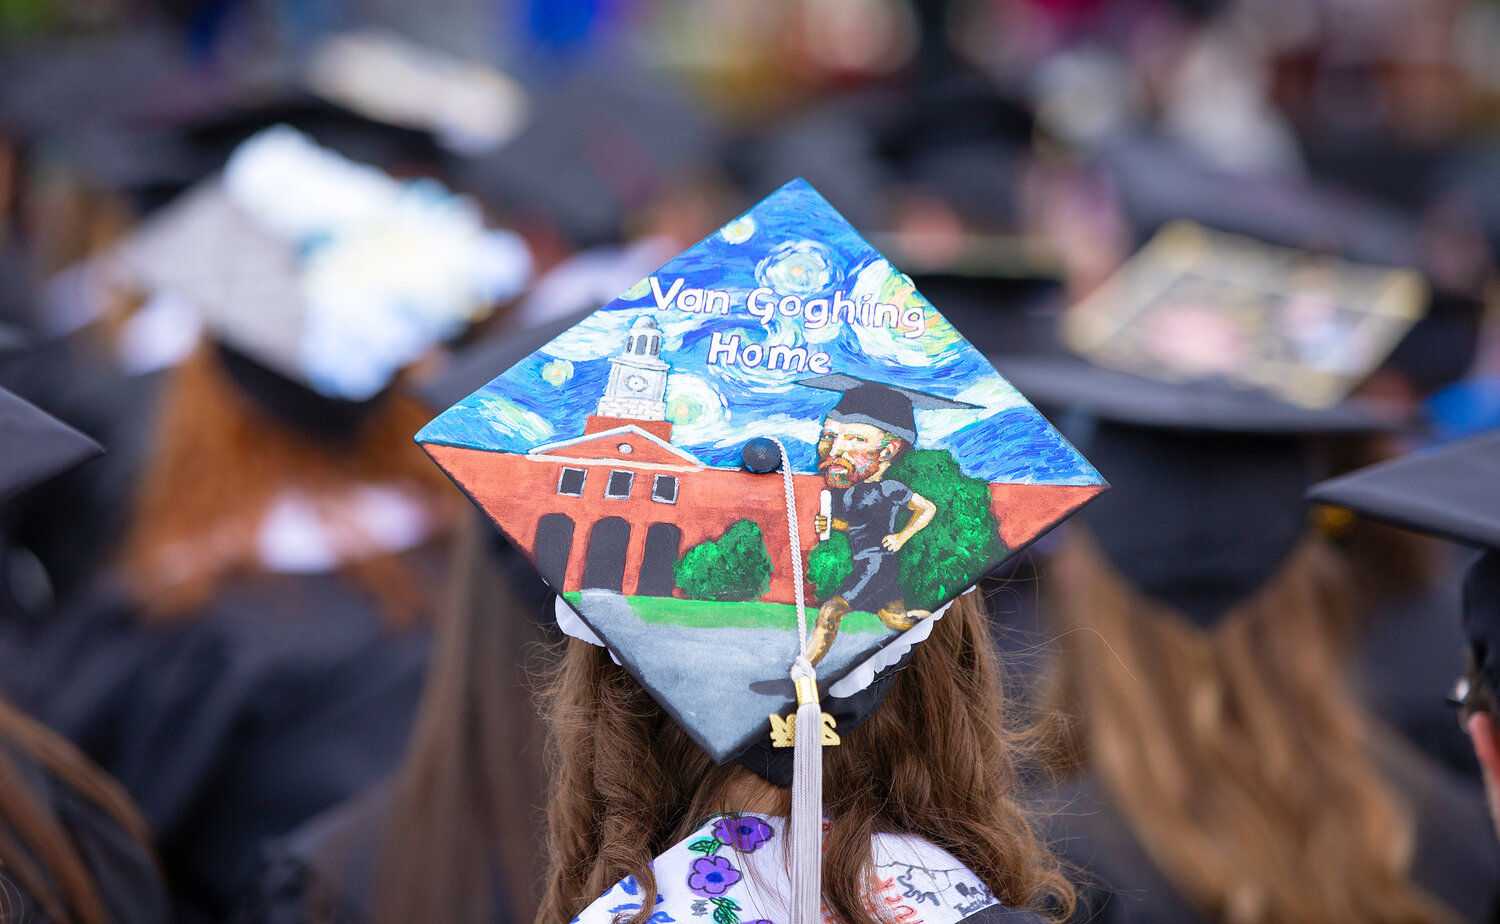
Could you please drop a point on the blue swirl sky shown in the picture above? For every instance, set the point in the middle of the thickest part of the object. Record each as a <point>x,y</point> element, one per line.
<point>794,243</point>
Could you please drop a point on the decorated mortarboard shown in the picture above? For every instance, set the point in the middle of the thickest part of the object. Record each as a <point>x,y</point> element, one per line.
<point>757,477</point>
<point>321,277</point>
<point>1453,492</point>
<point>619,457</point>
<point>1195,304</point>
<point>37,445</point>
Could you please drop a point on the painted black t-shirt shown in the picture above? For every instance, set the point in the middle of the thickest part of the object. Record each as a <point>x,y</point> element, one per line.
<point>871,508</point>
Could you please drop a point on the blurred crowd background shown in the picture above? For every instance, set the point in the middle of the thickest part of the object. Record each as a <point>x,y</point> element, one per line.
<point>1010,155</point>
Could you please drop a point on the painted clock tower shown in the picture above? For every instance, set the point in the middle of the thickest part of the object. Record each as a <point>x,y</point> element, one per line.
<point>637,386</point>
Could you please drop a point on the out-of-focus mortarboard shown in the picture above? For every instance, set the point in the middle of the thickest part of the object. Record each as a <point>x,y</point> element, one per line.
<point>320,278</point>
<point>1206,479</point>
<point>595,149</point>
<point>468,106</point>
<point>630,458</point>
<point>1453,492</point>
<point>1197,305</point>
<point>37,445</point>
<point>1160,181</point>
<point>1208,460</point>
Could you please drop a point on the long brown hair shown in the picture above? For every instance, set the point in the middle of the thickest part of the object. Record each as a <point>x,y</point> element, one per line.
<point>1235,752</point>
<point>221,461</point>
<point>34,848</point>
<point>934,760</point>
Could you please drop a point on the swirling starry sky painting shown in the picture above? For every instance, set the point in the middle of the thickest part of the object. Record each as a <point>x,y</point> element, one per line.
<point>783,293</point>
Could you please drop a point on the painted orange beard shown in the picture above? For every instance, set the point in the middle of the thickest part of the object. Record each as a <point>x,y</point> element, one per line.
<point>848,468</point>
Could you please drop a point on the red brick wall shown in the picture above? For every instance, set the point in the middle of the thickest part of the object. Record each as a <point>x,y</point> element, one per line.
<point>517,491</point>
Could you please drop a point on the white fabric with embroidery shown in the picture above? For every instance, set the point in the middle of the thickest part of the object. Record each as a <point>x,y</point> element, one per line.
<point>732,870</point>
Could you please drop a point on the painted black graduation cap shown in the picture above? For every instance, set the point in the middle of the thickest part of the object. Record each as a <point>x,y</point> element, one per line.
<point>1206,479</point>
<point>889,407</point>
<point>1453,492</point>
<point>37,445</point>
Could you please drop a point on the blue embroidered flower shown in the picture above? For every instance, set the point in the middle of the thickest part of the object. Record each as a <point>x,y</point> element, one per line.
<point>744,833</point>
<point>710,876</point>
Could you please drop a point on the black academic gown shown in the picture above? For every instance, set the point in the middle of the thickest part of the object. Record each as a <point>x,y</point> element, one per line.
<point>324,872</point>
<point>284,696</point>
<point>122,868</point>
<point>1456,860</point>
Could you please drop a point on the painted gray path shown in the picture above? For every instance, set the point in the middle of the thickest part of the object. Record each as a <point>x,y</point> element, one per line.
<point>707,674</point>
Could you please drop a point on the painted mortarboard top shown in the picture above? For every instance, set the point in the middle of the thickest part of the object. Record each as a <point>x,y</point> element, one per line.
<point>37,445</point>
<point>327,272</point>
<point>1450,492</point>
<point>612,457</point>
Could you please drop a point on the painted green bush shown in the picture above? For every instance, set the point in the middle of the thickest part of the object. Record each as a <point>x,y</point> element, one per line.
<point>736,567</point>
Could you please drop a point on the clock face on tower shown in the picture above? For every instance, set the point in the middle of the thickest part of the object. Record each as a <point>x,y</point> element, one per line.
<point>635,383</point>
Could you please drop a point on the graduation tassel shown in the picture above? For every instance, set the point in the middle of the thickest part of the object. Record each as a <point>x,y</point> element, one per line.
<point>805,827</point>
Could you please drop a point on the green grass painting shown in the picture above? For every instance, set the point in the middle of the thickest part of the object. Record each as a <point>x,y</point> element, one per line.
<point>707,614</point>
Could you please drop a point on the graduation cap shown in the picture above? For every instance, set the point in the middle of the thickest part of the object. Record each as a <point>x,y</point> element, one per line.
<point>890,408</point>
<point>1198,305</point>
<point>596,148</point>
<point>1449,492</point>
<point>614,457</point>
<point>1207,478</point>
<point>38,445</point>
<point>466,105</point>
<point>1160,181</point>
<point>320,278</point>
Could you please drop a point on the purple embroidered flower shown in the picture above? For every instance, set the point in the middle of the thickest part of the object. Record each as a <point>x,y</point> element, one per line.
<point>710,876</point>
<point>743,833</point>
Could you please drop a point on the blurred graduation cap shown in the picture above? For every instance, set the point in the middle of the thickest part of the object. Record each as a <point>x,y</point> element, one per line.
<point>467,106</point>
<point>86,102</point>
<point>621,457</point>
<point>53,88</point>
<point>1160,181</point>
<point>38,445</point>
<point>1207,458</point>
<point>596,148</point>
<point>1206,479</point>
<point>1449,492</point>
<point>1196,304</point>
<point>320,278</point>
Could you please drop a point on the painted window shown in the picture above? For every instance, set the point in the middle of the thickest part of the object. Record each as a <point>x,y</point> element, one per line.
<point>571,482</point>
<point>619,484</point>
<point>664,489</point>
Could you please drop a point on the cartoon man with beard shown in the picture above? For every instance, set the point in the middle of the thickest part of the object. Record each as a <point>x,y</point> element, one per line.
<point>869,428</point>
